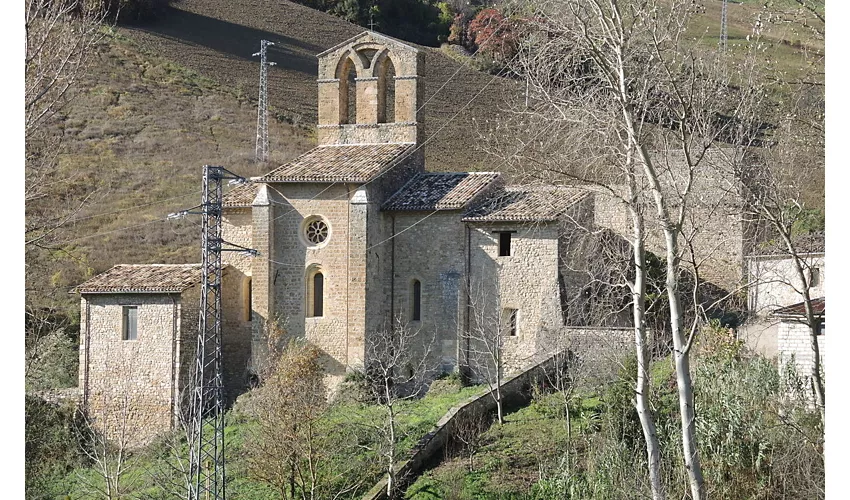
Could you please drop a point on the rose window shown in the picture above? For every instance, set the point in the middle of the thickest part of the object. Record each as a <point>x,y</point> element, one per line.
<point>316,232</point>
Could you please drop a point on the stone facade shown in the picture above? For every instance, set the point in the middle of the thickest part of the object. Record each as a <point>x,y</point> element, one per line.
<point>776,284</point>
<point>137,387</point>
<point>714,222</point>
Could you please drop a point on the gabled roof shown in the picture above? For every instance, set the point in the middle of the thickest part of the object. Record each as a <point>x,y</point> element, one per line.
<point>143,278</point>
<point>440,191</point>
<point>370,36</point>
<point>799,309</point>
<point>525,204</point>
<point>339,163</point>
<point>240,196</point>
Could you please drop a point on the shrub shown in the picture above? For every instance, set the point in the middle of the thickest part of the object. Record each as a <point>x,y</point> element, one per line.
<point>51,449</point>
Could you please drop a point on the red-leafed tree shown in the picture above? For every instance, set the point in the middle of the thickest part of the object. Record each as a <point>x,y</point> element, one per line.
<point>494,34</point>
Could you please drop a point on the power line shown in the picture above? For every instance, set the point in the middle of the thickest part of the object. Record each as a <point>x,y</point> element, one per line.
<point>134,207</point>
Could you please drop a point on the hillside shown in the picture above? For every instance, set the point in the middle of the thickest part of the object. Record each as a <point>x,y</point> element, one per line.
<point>162,99</point>
<point>217,37</point>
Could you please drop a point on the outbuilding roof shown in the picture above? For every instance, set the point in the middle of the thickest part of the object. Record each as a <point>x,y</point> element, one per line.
<point>339,163</point>
<point>795,310</point>
<point>440,191</point>
<point>143,278</point>
<point>525,204</point>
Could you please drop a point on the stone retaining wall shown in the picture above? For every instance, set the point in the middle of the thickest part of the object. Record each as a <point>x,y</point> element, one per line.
<point>516,392</point>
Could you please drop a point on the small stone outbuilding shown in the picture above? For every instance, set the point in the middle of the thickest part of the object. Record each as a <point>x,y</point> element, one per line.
<point>138,334</point>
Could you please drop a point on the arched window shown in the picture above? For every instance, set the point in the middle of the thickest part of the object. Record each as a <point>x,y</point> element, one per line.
<point>386,92</point>
<point>416,301</point>
<point>315,294</point>
<point>347,92</point>
<point>246,299</point>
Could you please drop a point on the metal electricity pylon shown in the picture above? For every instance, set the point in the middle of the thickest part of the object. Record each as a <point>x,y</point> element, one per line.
<point>206,433</point>
<point>262,151</point>
<point>723,26</point>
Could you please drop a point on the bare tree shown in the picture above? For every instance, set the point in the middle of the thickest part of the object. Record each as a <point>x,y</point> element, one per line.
<point>398,365</point>
<point>783,183</point>
<point>641,109</point>
<point>60,38</point>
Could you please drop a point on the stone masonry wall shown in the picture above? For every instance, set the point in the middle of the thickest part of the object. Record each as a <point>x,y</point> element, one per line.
<point>129,385</point>
<point>379,241</point>
<point>527,280</point>
<point>714,217</point>
<point>235,332</point>
<point>236,228</point>
<point>292,258</point>
<point>432,251</point>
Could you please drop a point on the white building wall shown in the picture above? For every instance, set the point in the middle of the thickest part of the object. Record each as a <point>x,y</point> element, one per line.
<point>795,345</point>
<point>778,284</point>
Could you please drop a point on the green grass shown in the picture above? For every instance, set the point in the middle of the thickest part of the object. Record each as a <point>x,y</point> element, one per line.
<point>145,467</point>
<point>507,464</point>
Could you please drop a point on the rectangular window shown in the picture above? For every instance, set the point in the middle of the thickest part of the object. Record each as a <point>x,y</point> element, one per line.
<point>821,328</point>
<point>509,322</point>
<point>129,323</point>
<point>504,244</point>
<point>246,300</point>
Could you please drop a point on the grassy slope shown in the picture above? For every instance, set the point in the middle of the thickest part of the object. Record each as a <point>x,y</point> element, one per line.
<point>180,92</point>
<point>415,419</point>
<point>137,132</point>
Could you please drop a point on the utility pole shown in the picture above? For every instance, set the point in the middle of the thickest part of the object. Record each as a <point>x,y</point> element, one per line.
<point>262,150</point>
<point>723,26</point>
<point>206,433</point>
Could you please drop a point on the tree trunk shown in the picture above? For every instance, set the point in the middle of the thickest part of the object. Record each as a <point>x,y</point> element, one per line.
<point>647,420</point>
<point>681,349</point>
<point>815,373</point>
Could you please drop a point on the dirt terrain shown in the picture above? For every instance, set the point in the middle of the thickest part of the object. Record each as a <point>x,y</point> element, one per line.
<point>217,37</point>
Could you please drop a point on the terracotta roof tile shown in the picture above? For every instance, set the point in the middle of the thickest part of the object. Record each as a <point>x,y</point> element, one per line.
<point>240,196</point>
<point>348,163</point>
<point>525,204</point>
<point>143,278</point>
<point>440,191</point>
<point>818,307</point>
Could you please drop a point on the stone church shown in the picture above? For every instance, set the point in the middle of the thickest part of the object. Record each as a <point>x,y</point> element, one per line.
<point>354,237</point>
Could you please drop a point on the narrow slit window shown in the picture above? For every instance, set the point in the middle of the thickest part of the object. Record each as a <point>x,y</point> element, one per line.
<point>504,244</point>
<point>130,322</point>
<point>510,322</point>
<point>318,294</point>
<point>246,301</point>
<point>416,299</point>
